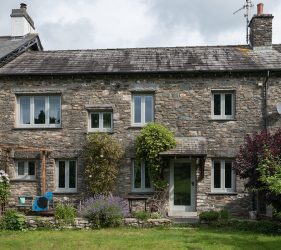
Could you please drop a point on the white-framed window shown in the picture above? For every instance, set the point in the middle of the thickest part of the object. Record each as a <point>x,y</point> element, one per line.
<point>39,111</point>
<point>223,176</point>
<point>100,121</point>
<point>25,170</point>
<point>142,109</point>
<point>223,105</point>
<point>66,176</point>
<point>141,181</point>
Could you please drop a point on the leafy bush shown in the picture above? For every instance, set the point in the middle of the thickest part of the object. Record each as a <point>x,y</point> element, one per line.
<point>4,187</point>
<point>224,214</point>
<point>153,139</point>
<point>13,221</point>
<point>209,216</point>
<point>105,211</point>
<point>102,155</point>
<point>155,215</point>
<point>141,215</point>
<point>65,213</point>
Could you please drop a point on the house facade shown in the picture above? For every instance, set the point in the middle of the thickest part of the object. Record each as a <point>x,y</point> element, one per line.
<point>209,97</point>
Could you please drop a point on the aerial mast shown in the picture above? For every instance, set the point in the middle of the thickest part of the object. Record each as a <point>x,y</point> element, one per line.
<point>247,7</point>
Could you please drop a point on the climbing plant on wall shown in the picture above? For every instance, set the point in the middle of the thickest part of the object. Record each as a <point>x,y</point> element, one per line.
<point>153,139</point>
<point>102,156</point>
<point>4,188</point>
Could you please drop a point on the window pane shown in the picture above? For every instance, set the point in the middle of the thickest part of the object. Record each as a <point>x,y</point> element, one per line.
<point>228,104</point>
<point>147,177</point>
<point>24,110</point>
<point>137,175</point>
<point>148,109</point>
<point>54,113</point>
<point>39,110</point>
<point>72,174</point>
<point>217,104</point>
<point>217,175</point>
<point>31,168</point>
<point>21,168</point>
<point>228,175</point>
<point>137,107</point>
<point>107,120</point>
<point>95,120</point>
<point>61,174</point>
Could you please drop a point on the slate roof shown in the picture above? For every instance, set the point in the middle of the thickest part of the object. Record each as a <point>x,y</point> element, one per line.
<point>13,46</point>
<point>196,146</point>
<point>145,60</point>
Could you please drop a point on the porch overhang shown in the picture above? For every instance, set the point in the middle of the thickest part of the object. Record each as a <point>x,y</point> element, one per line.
<point>188,147</point>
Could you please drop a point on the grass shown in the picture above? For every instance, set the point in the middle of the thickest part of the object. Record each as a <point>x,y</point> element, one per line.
<point>127,238</point>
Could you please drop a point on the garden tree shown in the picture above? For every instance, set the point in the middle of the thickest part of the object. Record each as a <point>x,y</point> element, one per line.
<point>153,139</point>
<point>270,176</point>
<point>252,158</point>
<point>250,154</point>
<point>102,155</point>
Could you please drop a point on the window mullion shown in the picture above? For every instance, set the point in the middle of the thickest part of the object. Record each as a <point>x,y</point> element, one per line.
<point>142,109</point>
<point>223,105</point>
<point>223,174</point>
<point>47,109</point>
<point>101,120</point>
<point>32,110</point>
<point>66,174</point>
<point>142,175</point>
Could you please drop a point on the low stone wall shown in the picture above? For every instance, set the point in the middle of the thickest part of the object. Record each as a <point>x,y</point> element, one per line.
<point>34,222</point>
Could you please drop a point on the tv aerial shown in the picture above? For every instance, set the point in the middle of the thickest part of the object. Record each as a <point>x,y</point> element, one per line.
<point>247,7</point>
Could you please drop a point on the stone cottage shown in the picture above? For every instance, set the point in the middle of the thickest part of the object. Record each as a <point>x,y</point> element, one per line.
<point>209,96</point>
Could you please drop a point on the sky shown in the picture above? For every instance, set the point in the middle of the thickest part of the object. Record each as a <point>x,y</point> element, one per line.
<point>94,24</point>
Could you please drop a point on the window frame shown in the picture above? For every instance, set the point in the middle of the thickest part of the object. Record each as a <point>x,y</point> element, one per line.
<point>222,116</point>
<point>25,176</point>
<point>47,123</point>
<point>66,173</point>
<point>142,189</point>
<point>142,95</point>
<point>222,189</point>
<point>100,128</point>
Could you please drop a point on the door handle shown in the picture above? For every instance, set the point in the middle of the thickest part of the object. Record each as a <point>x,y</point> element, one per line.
<point>192,183</point>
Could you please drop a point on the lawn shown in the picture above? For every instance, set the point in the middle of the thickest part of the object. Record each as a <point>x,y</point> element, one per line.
<point>126,238</point>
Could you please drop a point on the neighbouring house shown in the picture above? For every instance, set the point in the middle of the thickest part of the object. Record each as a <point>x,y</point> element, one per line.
<point>22,38</point>
<point>209,96</point>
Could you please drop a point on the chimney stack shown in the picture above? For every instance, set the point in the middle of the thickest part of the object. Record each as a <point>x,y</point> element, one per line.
<point>21,22</point>
<point>261,30</point>
<point>260,8</point>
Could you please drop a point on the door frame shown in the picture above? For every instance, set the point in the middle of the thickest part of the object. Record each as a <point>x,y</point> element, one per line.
<point>183,209</point>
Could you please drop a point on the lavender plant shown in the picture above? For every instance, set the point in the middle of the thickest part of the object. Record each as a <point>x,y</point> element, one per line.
<point>105,211</point>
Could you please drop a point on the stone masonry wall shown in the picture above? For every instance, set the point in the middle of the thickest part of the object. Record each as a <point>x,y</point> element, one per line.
<point>182,103</point>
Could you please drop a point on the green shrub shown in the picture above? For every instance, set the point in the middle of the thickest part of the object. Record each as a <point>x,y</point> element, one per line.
<point>153,139</point>
<point>155,215</point>
<point>65,213</point>
<point>141,215</point>
<point>105,211</point>
<point>102,155</point>
<point>209,216</point>
<point>224,214</point>
<point>13,220</point>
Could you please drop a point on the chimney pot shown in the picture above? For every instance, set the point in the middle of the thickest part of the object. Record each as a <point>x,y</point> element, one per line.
<point>260,9</point>
<point>23,6</point>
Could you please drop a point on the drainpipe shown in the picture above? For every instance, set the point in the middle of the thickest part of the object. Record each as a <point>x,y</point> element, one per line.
<point>265,89</point>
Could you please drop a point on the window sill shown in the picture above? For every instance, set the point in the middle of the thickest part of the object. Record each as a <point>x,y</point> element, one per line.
<point>22,180</point>
<point>222,119</point>
<point>65,192</point>
<point>100,131</point>
<point>223,193</point>
<point>37,128</point>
